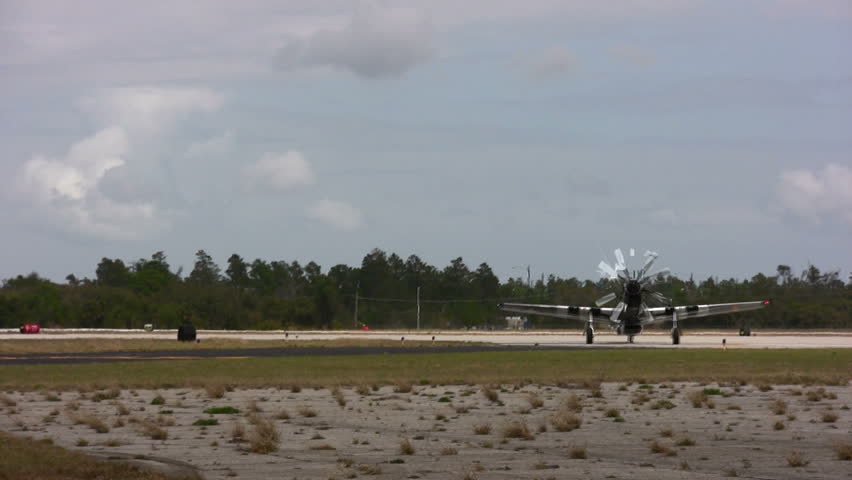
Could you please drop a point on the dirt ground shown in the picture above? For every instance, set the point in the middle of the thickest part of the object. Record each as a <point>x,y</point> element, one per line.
<point>626,430</point>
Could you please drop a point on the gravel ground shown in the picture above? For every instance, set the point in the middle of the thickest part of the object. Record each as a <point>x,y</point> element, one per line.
<point>363,437</point>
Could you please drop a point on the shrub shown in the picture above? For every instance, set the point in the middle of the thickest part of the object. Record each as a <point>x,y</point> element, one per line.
<point>660,404</point>
<point>778,406</point>
<point>403,387</point>
<point>685,442</point>
<point>264,437</point>
<point>843,450</point>
<point>158,400</point>
<point>572,402</point>
<point>215,390</point>
<point>535,401</point>
<point>829,417</point>
<point>338,396</point>
<point>449,451</point>
<point>657,447</point>
<point>611,413</point>
<point>482,429</point>
<point>779,425</point>
<point>564,421</point>
<point>405,447</point>
<point>577,452</point>
<point>282,415</point>
<point>795,459</point>
<point>306,411</point>
<point>490,393</point>
<point>153,431</point>
<point>517,429</point>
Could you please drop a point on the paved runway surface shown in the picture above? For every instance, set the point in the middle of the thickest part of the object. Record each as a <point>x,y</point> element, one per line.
<point>468,342</point>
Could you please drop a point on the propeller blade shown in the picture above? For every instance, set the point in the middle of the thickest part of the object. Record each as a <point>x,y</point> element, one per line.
<point>650,257</point>
<point>632,252</point>
<point>616,312</point>
<point>648,314</point>
<point>619,257</point>
<point>605,299</point>
<point>606,270</point>
<point>652,276</point>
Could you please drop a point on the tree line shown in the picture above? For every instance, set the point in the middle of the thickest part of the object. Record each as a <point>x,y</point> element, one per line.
<point>265,294</point>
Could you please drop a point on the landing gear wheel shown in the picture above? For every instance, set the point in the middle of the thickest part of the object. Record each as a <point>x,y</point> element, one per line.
<point>675,336</point>
<point>630,339</point>
<point>590,336</point>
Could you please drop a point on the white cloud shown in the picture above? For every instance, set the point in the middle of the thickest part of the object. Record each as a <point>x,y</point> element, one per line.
<point>377,42</point>
<point>554,61</point>
<point>71,192</point>
<point>338,215</point>
<point>279,171</point>
<point>150,109</point>
<point>817,196</point>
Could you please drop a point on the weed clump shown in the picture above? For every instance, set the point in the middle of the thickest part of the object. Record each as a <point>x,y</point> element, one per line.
<point>405,447</point>
<point>490,393</point>
<point>657,447</point>
<point>534,400</point>
<point>264,437</point>
<point>577,452</point>
<point>517,429</point>
<point>778,406</point>
<point>482,429</point>
<point>843,450</point>
<point>565,420</point>
<point>795,459</point>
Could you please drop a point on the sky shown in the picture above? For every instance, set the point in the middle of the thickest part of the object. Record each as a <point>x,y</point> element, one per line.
<point>542,133</point>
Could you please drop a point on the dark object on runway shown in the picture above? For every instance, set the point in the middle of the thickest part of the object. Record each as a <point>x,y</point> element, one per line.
<point>745,332</point>
<point>186,333</point>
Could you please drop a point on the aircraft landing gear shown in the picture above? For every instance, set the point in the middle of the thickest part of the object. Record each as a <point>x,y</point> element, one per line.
<point>590,336</point>
<point>630,339</point>
<point>675,336</point>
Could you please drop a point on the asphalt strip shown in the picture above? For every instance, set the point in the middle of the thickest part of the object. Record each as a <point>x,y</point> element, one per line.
<point>242,353</point>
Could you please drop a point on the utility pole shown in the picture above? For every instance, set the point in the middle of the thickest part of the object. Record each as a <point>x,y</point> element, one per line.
<point>418,307</point>
<point>529,278</point>
<point>357,287</point>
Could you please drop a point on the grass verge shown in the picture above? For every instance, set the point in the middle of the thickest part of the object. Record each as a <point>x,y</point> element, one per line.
<point>39,459</point>
<point>788,366</point>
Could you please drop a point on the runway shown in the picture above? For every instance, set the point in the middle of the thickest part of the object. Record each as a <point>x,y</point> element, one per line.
<point>292,343</point>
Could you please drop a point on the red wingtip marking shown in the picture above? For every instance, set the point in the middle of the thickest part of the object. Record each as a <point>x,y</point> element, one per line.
<point>766,302</point>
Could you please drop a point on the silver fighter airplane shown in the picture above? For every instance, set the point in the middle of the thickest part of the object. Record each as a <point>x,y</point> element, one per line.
<point>631,314</point>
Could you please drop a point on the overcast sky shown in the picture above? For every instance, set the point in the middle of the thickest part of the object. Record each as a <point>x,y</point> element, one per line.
<point>542,133</point>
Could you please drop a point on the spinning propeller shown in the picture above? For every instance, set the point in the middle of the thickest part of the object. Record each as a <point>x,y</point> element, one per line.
<point>622,276</point>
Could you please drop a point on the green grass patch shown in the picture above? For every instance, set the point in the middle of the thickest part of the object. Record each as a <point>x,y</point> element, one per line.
<point>783,366</point>
<point>40,459</point>
<point>205,422</point>
<point>221,411</point>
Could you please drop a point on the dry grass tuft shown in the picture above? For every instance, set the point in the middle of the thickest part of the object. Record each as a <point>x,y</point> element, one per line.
<point>264,437</point>
<point>362,389</point>
<point>238,432</point>
<point>490,393</point>
<point>778,407</point>
<point>7,401</point>
<point>306,411</point>
<point>573,403</point>
<point>153,431</point>
<point>482,429</point>
<point>577,452</point>
<point>517,429</point>
<point>282,415</point>
<point>697,398</point>
<point>685,442</point>
<point>779,425</point>
<point>121,409</point>
<point>215,390</point>
<point>534,400</point>
<point>405,447</point>
<point>657,447</point>
<point>449,451</point>
<point>612,413</point>
<point>829,417</point>
<point>403,387</point>
<point>666,432</point>
<point>796,459</point>
<point>565,420</point>
<point>92,422</point>
<point>338,396</point>
<point>843,450</point>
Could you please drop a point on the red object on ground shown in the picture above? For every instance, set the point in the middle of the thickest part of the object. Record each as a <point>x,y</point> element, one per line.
<point>365,328</point>
<point>30,328</point>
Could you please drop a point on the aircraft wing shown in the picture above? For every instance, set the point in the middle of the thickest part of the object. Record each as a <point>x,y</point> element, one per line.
<point>568,312</point>
<point>662,314</point>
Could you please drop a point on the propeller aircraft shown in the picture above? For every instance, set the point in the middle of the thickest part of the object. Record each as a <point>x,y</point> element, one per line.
<point>631,314</point>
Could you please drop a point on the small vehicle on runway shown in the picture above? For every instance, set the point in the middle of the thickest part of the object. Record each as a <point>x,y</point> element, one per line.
<point>30,328</point>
